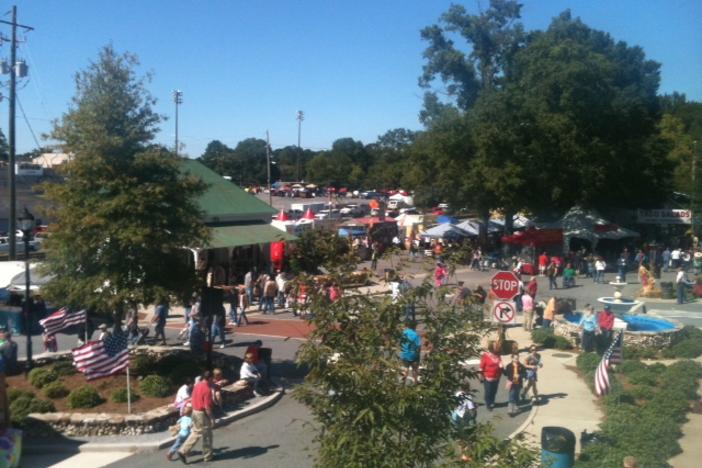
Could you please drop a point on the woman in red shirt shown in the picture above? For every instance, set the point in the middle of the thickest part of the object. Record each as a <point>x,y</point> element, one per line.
<point>490,372</point>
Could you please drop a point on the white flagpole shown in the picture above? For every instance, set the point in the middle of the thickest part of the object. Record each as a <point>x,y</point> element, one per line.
<point>129,393</point>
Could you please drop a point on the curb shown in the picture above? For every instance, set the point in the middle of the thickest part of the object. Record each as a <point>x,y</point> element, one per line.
<point>529,420</point>
<point>134,447</point>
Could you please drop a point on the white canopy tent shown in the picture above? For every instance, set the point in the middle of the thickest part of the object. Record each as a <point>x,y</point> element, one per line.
<point>446,231</point>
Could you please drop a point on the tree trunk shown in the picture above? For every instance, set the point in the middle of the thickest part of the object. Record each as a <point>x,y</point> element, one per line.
<point>482,234</point>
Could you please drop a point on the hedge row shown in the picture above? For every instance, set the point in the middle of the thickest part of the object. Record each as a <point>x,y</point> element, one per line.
<point>643,412</point>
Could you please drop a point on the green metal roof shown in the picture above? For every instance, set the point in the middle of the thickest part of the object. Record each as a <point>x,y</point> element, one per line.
<point>224,200</point>
<point>246,234</point>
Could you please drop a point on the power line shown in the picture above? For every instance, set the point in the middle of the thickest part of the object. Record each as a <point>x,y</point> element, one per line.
<point>31,130</point>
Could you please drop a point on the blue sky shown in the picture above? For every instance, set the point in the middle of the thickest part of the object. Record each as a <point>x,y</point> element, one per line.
<point>248,66</point>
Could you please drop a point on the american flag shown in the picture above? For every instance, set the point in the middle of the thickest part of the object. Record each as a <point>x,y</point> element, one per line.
<point>102,358</point>
<point>62,318</point>
<point>613,355</point>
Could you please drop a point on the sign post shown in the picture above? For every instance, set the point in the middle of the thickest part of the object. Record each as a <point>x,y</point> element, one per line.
<point>505,287</point>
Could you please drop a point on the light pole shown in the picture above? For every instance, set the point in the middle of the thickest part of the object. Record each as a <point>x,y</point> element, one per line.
<point>178,100</point>
<point>26,223</point>
<point>300,118</point>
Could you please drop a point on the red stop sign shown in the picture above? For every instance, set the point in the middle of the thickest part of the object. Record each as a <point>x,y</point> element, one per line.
<point>505,285</point>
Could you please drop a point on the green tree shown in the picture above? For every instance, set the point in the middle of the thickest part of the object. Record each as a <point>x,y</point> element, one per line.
<point>589,107</point>
<point>245,164</point>
<point>318,248</point>
<point>390,153</point>
<point>367,415</point>
<point>125,211</point>
<point>4,147</point>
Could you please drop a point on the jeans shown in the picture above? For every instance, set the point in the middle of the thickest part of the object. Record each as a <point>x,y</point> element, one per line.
<point>588,341</point>
<point>249,294</point>
<point>552,283</point>
<point>490,387</point>
<point>622,274</point>
<point>681,293</point>
<point>546,323</point>
<point>242,316</point>
<point>268,304</point>
<point>599,276</point>
<point>410,312</point>
<point>281,299</point>
<point>217,330</point>
<point>232,312</point>
<point>180,440</point>
<point>514,392</point>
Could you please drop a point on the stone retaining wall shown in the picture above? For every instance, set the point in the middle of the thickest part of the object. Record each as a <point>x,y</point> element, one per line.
<point>102,424</point>
<point>639,339</point>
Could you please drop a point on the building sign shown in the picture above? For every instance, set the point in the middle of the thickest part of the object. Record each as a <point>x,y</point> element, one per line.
<point>664,216</point>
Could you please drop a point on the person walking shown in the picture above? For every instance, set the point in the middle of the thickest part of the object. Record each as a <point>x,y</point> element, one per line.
<point>665,257</point>
<point>159,320</point>
<point>622,265</point>
<point>243,305</point>
<point>549,313</point>
<point>440,275</point>
<point>185,423</point>
<point>568,276</point>
<point>605,321</point>
<point>543,263</point>
<point>532,287</point>
<point>202,404</point>
<point>232,297</point>
<point>248,285</point>
<point>490,372</point>
<point>411,350</point>
<point>270,291</point>
<point>515,372</point>
<point>218,327</point>
<point>375,254</point>
<point>681,283</point>
<point>552,273</point>
<point>533,364</point>
<point>588,325</point>
<point>600,267</point>
<point>528,308</point>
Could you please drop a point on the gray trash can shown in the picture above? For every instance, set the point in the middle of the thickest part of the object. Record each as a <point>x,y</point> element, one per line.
<point>557,447</point>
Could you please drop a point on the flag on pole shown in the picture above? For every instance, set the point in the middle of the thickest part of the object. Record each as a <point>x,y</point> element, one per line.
<point>613,355</point>
<point>62,318</point>
<point>103,357</point>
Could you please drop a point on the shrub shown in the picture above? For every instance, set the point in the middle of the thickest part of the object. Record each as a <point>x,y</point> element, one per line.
<point>64,368</point>
<point>24,405</point>
<point>544,337</point>
<point>642,392</point>
<point>41,376</point>
<point>55,389</point>
<point>643,377</point>
<point>155,386</point>
<point>562,343</point>
<point>120,395</point>
<point>588,362</point>
<point>84,397</point>
<point>15,393</point>
<point>689,348</point>
<point>142,365</point>
<point>640,352</point>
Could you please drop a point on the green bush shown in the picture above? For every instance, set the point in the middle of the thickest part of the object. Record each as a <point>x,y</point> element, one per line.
<point>120,395</point>
<point>21,407</point>
<point>55,389</point>
<point>84,397</point>
<point>544,337</point>
<point>15,393</point>
<point>142,365</point>
<point>688,348</point>
<point>562,343</point>
<point>642,392</point>
<point>640,352</point>
<point>178,372</point>
<point>588,362</point>
<point>41,376</point>
<point>155,386</point>
<point>64,368</point>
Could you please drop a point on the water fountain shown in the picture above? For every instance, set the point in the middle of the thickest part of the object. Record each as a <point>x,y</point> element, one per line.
<point>640,328</point>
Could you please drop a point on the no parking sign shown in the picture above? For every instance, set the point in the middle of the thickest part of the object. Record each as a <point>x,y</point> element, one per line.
<point>504,312</point>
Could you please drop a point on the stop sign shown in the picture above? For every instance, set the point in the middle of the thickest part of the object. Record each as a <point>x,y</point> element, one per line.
<point>505,285</point>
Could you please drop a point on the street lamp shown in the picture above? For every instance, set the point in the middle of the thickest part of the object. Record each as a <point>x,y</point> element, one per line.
<point>178,100</point>
<point>26,224</point>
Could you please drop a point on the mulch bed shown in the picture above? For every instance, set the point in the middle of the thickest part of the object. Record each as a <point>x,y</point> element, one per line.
<point>105,386</point>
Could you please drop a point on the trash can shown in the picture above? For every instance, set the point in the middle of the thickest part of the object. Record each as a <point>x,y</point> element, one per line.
<point>266,355</point>
<point>557,447</point>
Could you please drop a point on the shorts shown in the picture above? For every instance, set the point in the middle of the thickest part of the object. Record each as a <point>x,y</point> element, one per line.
<point>413,364</point>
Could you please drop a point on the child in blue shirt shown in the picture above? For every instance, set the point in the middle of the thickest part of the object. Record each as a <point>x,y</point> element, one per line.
<point>186,424</point>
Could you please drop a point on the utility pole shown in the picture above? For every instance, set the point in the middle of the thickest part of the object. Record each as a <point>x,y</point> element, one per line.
<point>15,68</point>
<point>300,118</point>
<point>178,100</point>
<point>268,166</point>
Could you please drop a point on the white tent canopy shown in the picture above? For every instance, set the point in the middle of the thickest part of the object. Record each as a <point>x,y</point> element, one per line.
<point>9,270</point>
<point>444,231</point>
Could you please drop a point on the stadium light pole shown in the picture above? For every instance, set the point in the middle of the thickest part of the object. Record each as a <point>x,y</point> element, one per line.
<point>300,118</point>
<point>178,100</point>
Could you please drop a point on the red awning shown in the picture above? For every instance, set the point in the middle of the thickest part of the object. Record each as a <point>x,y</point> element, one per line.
<point>535,237</point>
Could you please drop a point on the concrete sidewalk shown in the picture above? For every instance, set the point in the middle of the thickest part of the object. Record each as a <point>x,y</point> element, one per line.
<point>566,400</point>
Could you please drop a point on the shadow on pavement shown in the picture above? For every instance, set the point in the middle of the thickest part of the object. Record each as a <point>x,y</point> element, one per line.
<point>544,399</point>
<point>244,452</point>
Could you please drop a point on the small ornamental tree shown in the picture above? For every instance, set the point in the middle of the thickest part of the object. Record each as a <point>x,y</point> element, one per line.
<point>368,417</point>
<point>126,211</point>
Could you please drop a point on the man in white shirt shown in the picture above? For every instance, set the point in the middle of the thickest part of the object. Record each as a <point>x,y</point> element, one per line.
<point>675,258</point>
<point>681,283</point>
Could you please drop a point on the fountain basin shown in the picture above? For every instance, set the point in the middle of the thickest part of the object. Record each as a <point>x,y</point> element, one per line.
<point>642,330</point>
<point>620,305</point>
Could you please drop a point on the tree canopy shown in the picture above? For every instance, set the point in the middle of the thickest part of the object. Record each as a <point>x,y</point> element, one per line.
<point>125,211</point>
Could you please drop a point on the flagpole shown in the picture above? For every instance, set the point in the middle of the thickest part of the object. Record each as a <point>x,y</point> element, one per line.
<point>129,393</point>
<point>86,325</point>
